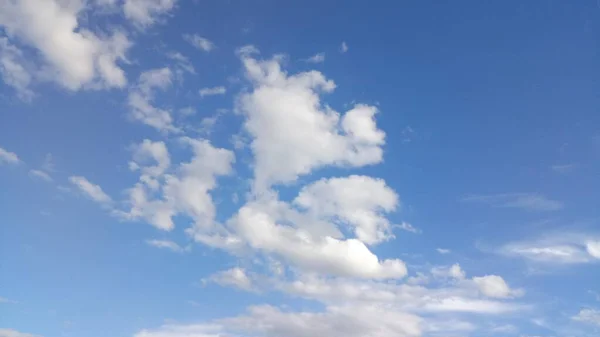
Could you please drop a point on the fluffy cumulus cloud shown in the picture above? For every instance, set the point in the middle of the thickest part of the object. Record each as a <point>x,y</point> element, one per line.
<point>285,118</point>
<point>327,255</point>
<point>159,195</point>
<point>495,286</point>
<point>319,243</point>
<point>73,56</point>
<point>316,244</point>
<point>358,201</point>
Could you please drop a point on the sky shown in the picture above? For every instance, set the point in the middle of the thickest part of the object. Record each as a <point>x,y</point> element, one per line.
<point>174,168</point>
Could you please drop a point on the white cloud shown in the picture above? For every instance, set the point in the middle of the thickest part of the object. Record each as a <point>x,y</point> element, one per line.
<point>323,254</point>
<point>182,62</point>
<point>525,201</point>
<point>495,286</point>
<point>212,91</point>
<point>454,271</point>
<point>357,201</point>
<point>463,305</point>
<point>154,152</point>
<point>285,118</point>
<point>74,56</point>
<point>91,190</point>
<point>334,322</point>
<point>145,13</point>
<point>235,277</point>
<point>192,330</point>
<point>405,226</point>
<point>7,157</point>
<point>317,58</point>
<point>593,248</point>
<point>556,248</point>
<point>167,244</point>
<point>199,42</point>
<point>160,195</point>
<point>344,47</point>
<point>40,175</point>
<point>590,316</point>
<point>443,250</point>
<point>15,333</point>
<point>141,97</point>
<point>14,69</point>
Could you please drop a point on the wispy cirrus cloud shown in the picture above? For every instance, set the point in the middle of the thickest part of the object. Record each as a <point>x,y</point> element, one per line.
<point>168,244</point>
<point>525,201</point>
<point>556,249</point>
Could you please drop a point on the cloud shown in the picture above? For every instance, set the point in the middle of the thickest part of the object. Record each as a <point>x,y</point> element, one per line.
<point>261,231</point>
<point>590,316</point>
<point>564,168</point>
<point>317,58</point>
<point>187,111</point>
<point>557,249</point>
<point>443,250</point>
<point>405,226</point>
<point>144,13</point>
<point>182,62</point>
<point>336,321</point>
<point>199,42</point>
<point>14,70</point>
<point>166,244</point>
<point>593,248</point>
<point>74,56</point>
<point>269,321</point>
<point>285,118</point>
<point>235,277</point>
<point>343,47</point>
<point>454,271</point>
<point>357,201</point>
<point>40,175</point>
<point>7,157</point>
<point>15,333</point>
<point>192,330</point>
<point>212,91</point>
<point>141,97</point>
<point>150,152</point>
<point>91,190</point>
<point>495,286</point>
<point>525,201</point>
<point>159,195</point>
<point>457,296</point>
<point>6,300</point>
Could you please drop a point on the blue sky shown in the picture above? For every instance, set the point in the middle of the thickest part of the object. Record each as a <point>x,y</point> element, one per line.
<point>177,168</point>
